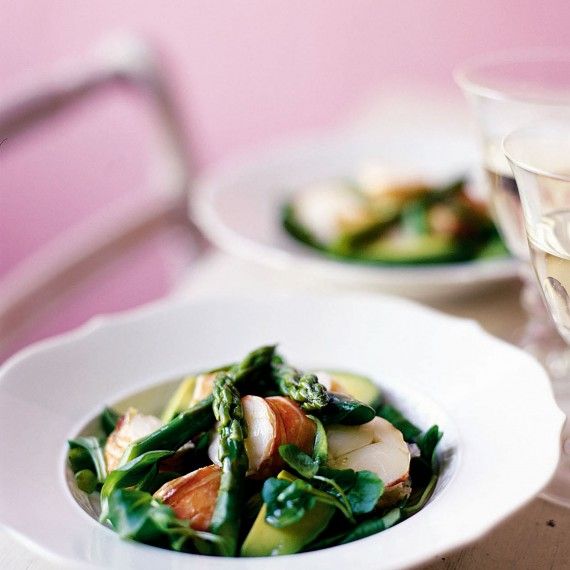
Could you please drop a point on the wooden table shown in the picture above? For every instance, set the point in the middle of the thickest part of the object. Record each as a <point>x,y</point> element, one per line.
<point>535,538</point>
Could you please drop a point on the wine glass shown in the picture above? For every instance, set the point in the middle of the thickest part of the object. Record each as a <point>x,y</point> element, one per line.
<point>539,156</point>
<point>507,91</point>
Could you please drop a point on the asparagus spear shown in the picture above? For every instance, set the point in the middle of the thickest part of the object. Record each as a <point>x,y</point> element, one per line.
<point>305,389</point>
<point>200,417</point>
<point>313,397</point>
<point>233,457</point>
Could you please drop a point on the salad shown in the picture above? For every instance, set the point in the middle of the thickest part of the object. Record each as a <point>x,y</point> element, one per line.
<point>258,458</point>
<point>380,218</point>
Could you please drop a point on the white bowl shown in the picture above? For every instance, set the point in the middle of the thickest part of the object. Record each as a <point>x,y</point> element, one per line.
<point>493,402</point>
<point>238,206</point>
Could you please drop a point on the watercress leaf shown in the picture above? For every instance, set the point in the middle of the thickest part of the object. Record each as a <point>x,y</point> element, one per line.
<point>399,421</point>
<point>329,491</point>
<point>129,474</point>
<point>79,459</point>
<point>302,463</point>
<point>320,447</point>
<point>427,443</point>
<point>155,479</point>
<point>372,526</point>
<point>271,489</point>
<point>344,478</point>
<point>342,409</point>
<point>365,492</point>
<point>420,497</point>
<point>136,515</point>
<point>145,483</point>
<point>92,446</point>
<point>287,504</point>
<point>109,419</point>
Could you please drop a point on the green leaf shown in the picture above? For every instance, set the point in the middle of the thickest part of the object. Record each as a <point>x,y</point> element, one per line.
<point>358,490</point>
<point>335,491</point>
<point>427,443</point>
<point>417,501</point>
<point>136,515</point>
<point>296,229</point>
<point>287,502</point>
<point>321,446</point>
<point>399,421</point>
<point>129,474</point>
<point>93,447</point>
<point>109,419</point>
<point>365,492</point>
<point>342,409</point>
<point>302,463</point>
<point>373,526</point>
<point>155,479</point>
<point>344,478</point>
<point>79,459</point>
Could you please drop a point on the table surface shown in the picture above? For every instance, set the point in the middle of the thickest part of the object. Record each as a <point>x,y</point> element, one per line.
<point>535,538</point>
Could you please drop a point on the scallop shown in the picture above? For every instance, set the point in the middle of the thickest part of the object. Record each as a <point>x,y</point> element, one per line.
<point>130,427</point>
<point>271,422</point>
<point>375,446</point>
<point>325,209</point>
<point>193,496</point>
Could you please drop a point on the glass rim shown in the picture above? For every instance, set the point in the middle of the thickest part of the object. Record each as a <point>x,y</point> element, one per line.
<point>526,130</point>
<point>463,73</point>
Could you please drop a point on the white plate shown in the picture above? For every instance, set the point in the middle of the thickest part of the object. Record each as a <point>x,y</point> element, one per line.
<point>492,401</point>
<point>238,206</point>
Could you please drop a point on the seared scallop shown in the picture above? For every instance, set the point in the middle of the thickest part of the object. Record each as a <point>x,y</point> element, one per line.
<point>193,496</point>
<point>376,446</point>
<point>270,422</point>
<point>130,427</point>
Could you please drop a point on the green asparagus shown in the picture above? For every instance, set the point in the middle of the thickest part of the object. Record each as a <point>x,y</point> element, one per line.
<point>200,417</point>
<point>284,515</point>
<point>232,430</point>
<point>305,389</point>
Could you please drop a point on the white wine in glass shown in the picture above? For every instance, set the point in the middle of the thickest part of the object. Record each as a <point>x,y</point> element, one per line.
<point>539,155</point>
<point>549,243</point>
<point>506,91</point>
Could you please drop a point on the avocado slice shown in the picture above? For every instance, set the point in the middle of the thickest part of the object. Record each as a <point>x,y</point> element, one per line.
<point>359,387</point>
<point>413,249</point>
<point>180,400</point>
<point>266,540</point>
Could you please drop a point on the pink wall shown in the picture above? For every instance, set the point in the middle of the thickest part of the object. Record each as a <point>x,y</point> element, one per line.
<point>244,72</point>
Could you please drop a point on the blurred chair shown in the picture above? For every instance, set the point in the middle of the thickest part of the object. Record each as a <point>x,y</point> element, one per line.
<point>44,278</point>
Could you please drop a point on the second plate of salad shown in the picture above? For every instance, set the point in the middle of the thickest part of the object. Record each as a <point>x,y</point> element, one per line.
<point>396,213</point>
